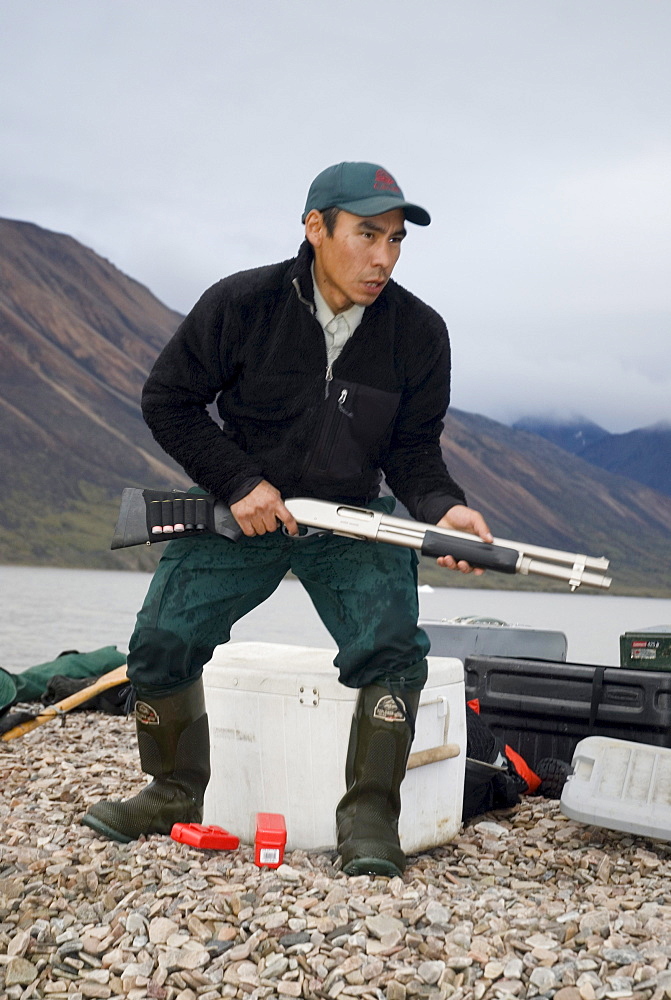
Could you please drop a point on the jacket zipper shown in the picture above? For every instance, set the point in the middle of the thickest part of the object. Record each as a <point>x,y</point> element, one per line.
<point>342,399</point>
<point>329,366</point>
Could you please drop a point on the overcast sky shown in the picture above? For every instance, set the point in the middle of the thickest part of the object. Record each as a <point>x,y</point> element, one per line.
<point>178,139</point>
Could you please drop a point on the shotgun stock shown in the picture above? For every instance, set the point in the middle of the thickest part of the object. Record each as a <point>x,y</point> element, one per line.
<point>148,516</point>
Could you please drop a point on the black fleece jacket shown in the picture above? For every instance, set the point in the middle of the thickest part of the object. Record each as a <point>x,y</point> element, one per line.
<point>252,342</point>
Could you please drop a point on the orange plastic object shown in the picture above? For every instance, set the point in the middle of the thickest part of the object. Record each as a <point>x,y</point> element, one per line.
<point>270,840</point>
<point>215,838</point>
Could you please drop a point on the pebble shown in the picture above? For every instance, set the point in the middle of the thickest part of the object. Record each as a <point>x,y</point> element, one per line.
<point>160,929</point>
<point>622,956</point>
<point>543,978</point>
<point>384,925</point>
<point>288,874</point>
<point>513,969</point>
<point>493,970</point>
<point>437,914</point>
<point>523,903</point>
<point>567,993</point>
<point>430,972</point>
<point>19,971</point>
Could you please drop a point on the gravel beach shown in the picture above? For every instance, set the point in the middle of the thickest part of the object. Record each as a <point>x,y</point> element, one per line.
<point>523,903</point>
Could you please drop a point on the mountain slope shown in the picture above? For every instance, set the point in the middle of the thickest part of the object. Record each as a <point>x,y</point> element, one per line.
<point>643,454</point>
<point>572,435</point>
<point>77,338</point>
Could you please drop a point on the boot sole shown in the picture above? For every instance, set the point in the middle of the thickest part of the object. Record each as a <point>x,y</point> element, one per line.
<point>372,866</point>
<point>107,831</point>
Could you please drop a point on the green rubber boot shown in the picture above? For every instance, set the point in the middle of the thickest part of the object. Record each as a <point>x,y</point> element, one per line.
<point>174,743</point>
<point>367,815</point>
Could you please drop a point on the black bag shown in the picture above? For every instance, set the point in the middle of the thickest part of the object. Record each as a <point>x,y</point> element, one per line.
<point>491,781</point>
<point>114,701</point>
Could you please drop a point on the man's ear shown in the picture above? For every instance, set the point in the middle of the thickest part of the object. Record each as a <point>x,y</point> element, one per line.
<point>314,228</point>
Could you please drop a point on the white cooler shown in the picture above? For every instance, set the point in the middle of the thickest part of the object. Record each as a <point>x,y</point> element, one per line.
<point>279,729</point>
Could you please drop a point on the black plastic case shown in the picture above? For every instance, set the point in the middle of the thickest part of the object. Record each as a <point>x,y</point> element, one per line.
<point>543,708</point>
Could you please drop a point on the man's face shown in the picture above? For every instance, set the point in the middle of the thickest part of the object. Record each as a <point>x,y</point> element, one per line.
<point>354,264</point>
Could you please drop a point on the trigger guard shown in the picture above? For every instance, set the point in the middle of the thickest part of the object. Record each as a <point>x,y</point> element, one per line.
<point>305,532</point>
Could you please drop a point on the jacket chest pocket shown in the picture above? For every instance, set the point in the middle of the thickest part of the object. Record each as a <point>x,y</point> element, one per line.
<point>355,425</point>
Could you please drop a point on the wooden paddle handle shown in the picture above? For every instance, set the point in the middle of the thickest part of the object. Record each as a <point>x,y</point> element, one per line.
<point>433,755</point>
<point>111,679</point>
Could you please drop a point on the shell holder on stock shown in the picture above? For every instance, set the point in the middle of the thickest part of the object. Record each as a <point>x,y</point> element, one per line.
<point>148,516</point>
<point>178,515</point>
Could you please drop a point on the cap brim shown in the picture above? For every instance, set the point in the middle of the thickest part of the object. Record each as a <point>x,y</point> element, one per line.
<point>380,204</point>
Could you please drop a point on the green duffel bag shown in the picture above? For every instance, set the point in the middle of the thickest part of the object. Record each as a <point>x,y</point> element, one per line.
<point>31,684</point>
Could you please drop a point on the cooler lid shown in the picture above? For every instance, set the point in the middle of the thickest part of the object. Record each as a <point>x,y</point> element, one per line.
<point>490,636</point>
<point>281,669</point>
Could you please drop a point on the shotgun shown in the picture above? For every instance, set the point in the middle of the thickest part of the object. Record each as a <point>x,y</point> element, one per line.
<point>148,516</point>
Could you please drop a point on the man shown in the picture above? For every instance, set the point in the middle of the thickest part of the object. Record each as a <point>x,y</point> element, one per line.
<point>327,375</point>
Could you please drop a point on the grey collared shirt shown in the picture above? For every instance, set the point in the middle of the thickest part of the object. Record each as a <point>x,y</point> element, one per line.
<point>337,327</point>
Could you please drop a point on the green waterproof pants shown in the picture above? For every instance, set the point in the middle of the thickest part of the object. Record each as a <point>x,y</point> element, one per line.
<point>364,592</point>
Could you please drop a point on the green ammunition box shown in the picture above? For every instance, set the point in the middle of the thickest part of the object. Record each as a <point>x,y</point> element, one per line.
<point>647,649</point>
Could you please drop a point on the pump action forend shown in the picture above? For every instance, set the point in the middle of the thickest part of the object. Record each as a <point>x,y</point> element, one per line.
<point>148,516</point>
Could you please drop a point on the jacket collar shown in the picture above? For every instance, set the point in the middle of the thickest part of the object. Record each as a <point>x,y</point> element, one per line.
<point>300,275</point>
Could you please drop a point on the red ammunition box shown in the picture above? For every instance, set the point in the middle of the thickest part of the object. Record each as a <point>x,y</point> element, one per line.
<point>214,838</point>
<point>270,840</point>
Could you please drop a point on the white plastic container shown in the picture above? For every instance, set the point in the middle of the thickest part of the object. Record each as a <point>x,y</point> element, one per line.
<point>279,729</point>
<point>620,785</point>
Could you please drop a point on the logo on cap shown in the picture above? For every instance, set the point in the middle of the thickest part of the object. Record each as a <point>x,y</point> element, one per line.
<point>385,182</point>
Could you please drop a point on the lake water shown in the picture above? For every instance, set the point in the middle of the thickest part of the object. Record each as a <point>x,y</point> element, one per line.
<point>45,611</point>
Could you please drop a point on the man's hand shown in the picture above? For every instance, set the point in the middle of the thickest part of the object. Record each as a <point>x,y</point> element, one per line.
<point>460,518</point>
<point>262,510</point>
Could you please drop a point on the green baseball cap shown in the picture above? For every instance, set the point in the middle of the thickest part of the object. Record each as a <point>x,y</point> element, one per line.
<point>362,189</point>
<point>7,689</point>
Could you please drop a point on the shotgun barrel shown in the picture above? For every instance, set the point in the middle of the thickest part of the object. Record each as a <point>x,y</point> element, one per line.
<point>502,555</point>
